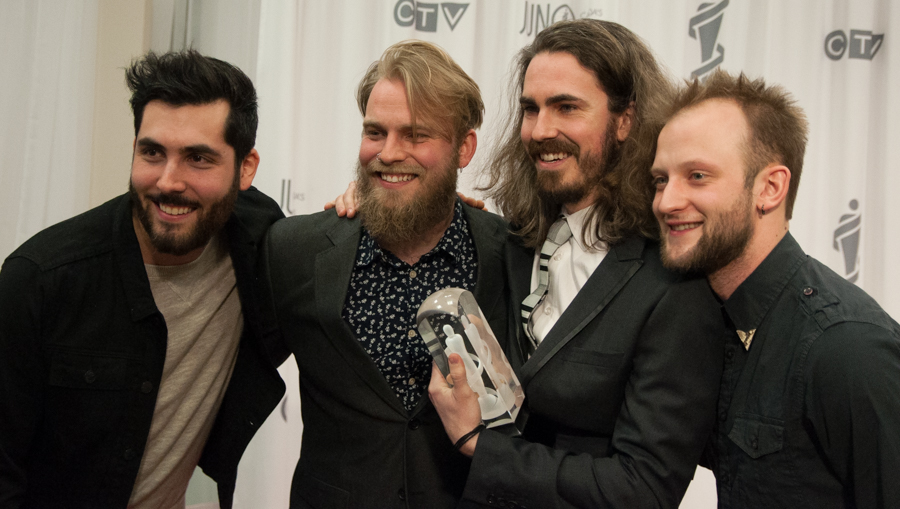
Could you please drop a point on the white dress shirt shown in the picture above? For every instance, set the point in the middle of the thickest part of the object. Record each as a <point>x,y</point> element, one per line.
<point>569,269</point>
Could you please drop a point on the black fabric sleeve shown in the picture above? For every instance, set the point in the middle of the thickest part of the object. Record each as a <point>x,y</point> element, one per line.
<point>661,429</point>
<point>853,406</point>
<point>21,374</point>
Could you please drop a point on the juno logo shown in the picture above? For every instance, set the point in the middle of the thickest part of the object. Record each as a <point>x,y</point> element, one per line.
<point>705,27</point>
<point>846,241</point>
<point>538,17</point>
<point>287,197</point>
<point>425,15</point>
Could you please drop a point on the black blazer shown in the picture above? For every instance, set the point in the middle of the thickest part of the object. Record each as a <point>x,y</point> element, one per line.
<point>621,392</point>
<point>360,446</point>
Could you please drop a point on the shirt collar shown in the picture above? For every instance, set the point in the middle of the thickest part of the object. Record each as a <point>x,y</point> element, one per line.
<point>369,250</point>
<point>751,301</point>
<point>576,222</point>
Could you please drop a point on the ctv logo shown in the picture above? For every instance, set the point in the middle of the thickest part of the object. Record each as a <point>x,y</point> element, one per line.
<point>863,44</point>
<point>425,15</point>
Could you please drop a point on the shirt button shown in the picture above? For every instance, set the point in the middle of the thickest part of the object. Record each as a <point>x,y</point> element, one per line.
<point>413,273</point>
<point>411,334</point>
<point>414,424</point>
<point>401,494</point>
<point>146,387</point>
<point>557,256</point>
<point>89,376</point>
<point>548,310</point>
<point>412,381</point>
<point>808,291</point>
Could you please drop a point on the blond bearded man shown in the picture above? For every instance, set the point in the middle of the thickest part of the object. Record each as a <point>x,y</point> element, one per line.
<point>347,291</point>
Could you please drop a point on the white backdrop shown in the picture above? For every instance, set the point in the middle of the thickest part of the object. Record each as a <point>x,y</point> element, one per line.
<point>833,56</point>
<point>306,57</point>
<point>47,52</point>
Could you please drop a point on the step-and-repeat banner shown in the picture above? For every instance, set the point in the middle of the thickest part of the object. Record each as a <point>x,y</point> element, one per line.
<point>836,57</point>
<point>306,58</point>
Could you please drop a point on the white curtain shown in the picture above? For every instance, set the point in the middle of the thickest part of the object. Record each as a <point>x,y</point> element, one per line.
<point>835,56</point>
<point>46,114</point>
<point>306,57</point>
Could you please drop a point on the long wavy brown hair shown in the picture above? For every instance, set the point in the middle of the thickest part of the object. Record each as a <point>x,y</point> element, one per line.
<point>629,74</point>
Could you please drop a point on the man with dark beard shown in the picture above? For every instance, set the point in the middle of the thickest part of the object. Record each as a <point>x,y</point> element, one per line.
<point>809,408</point>
<point>619,357</point>
<point>130,335</point>
<point>346,292</point>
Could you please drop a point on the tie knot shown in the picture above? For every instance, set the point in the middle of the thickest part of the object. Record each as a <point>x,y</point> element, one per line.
<point>559,231</point>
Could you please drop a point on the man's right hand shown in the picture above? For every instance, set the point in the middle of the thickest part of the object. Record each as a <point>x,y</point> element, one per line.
<point>345,204</point>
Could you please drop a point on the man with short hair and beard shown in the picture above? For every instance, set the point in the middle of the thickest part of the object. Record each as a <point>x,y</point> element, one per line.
<point>346,292</point>
<point>809,407</point>
<point>130,335</point>
<point>619,359</point>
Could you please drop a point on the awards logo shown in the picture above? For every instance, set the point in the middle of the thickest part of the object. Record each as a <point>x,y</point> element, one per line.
<point>862,44</point>
<point>425,15</point>
<point>705,27</point>
<point>287,197</point>
<point>846,241</point>
<point>539,17</point>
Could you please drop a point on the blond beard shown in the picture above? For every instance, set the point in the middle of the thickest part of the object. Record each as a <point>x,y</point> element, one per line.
<point>394,220</point>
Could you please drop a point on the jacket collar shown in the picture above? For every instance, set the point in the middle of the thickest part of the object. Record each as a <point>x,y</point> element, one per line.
<point>616,269</point>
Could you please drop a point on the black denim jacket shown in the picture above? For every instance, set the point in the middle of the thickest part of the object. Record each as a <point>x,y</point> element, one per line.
<point>82,348</point>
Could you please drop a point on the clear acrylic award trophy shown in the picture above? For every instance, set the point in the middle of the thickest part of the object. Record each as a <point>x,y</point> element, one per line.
<point>450,321</point>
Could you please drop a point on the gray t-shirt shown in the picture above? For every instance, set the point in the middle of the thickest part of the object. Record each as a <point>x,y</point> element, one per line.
<point>200,304</point>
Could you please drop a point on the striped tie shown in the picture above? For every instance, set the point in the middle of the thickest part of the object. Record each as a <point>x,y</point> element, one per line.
<point>559,233</point>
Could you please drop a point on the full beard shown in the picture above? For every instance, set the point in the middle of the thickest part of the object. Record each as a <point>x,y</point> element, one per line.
<point>165,238</point>
<point>724,240</point>
<point>393,219</point>
<point>592,166</point>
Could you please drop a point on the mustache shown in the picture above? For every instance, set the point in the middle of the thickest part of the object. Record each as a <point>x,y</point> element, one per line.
<point>175,200</point>
<point>551,146</point>
<point>376,166</point>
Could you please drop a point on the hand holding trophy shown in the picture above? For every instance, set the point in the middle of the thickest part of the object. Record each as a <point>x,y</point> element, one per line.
<point>450,321</point>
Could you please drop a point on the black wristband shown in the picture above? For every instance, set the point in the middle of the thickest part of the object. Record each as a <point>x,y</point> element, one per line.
<point>468,436</point>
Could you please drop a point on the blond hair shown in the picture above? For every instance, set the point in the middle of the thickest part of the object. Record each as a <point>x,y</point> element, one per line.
<point>437,89</point>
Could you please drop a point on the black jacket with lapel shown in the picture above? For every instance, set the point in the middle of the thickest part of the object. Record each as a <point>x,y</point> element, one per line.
<point>360,446</point>
<point>621,392</point>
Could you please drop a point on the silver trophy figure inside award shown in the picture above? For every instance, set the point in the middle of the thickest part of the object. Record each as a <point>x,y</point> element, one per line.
<point>450,321</point>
